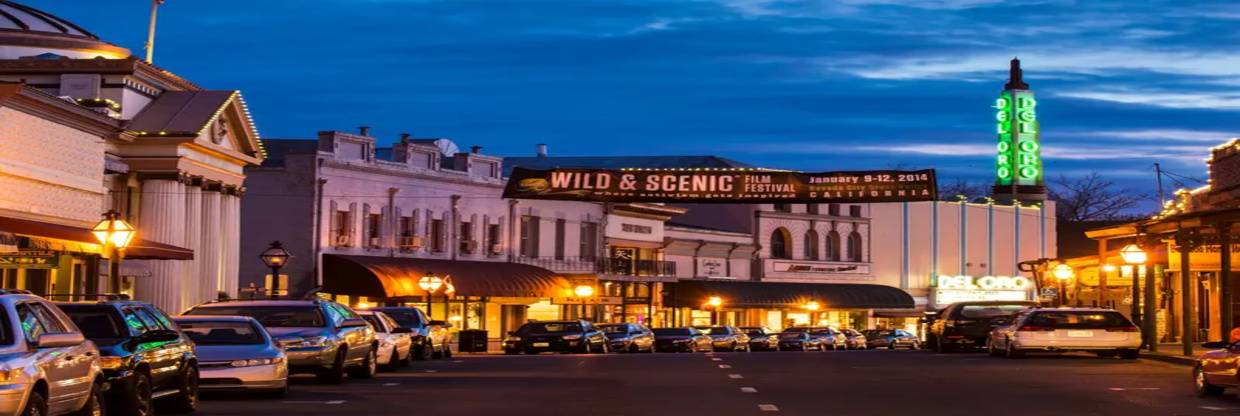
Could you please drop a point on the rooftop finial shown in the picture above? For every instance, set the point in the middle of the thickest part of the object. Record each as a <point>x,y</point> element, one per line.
<point>1015,81</point>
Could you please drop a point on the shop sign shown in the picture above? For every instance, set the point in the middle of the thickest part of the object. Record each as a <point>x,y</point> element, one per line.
<point>1204,257</point>
<point>817,268</point>
<point>952,289</point>
<point>595,300</point>
<point>711,267</point>
<point>41,259</point>
<point>631,300</point>
<point>724,186</point>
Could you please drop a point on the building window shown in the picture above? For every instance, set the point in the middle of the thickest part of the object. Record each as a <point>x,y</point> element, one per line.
<point>811,245</point>
<point>374,238</point>
<point>780,243</point>
<point>833,246</point>
<point>811,208</point>
<point>854,211</point>
<point>341,233</point>
<point>833,210</point>
<point>783,207</point>
<point>437,235</point>
<point>854,246</point>
<point>589,240</point>
<point>559,238</point>
<point>493,238</point>
<point>468,245</point>
<point>529,236</point>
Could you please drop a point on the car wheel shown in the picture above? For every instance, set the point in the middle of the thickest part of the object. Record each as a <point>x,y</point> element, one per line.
<point>1202,386</point>
<point>335,374</point>
<point>424,352</point>
<point>94,404</point>
<point>394,361</point>
<point>936,345</point>
<point>915,345</point>
<point>368,367</point>
<point>511,352</point>
<point>278,393</point>
<point>186,400</point>
<point>1106,354</point>
<point>891,346</point>
<point>408,360</point>
<point>139,402</point>
<point>1128,354</point>
<point>36,405</point>
<point>447,352</point>
<point>1013,352</point>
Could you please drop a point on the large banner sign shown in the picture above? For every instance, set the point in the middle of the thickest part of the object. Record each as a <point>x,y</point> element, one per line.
<point>722,186</point>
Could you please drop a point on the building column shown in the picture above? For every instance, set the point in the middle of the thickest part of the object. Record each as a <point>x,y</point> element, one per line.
<point>1224,280</point>
<point>232,243</point>
<point>192,294</point>
<point>210,264</point>
<point>163,220</point>
<point>1184,242</point>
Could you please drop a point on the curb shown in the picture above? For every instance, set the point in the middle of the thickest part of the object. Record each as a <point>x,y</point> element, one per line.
<point>1171,359</point>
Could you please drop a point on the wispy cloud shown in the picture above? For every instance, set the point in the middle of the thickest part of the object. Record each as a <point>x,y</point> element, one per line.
<point>1218,100</point>
<point>1178,135</point>
<point>1093,62</point>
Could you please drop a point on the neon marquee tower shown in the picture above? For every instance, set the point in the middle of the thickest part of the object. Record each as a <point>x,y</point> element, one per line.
<point>1018,167</point>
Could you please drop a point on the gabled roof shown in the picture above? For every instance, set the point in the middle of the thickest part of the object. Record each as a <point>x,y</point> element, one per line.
<point>620,162</point>
<point>180,112</point>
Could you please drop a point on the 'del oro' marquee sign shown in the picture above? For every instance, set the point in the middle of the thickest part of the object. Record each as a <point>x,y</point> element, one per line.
<point>706,185</point>
<point>952,289</point>
<point>1019,161</point>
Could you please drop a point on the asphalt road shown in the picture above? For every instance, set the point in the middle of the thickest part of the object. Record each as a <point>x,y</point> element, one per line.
<point>793,383</point>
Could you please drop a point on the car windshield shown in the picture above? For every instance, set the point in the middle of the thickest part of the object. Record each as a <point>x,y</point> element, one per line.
<point>272,316</point>
<point>550,328</point>
<point>97,322</point>
<point>673,331</point>
<point>719,330</point>
<point>406,318</point>
<point>374,321</point>
<point>221,332</point>
<point>879,333</point>
<point>614,329</point>
<point>791,335</point>
<point>1078,319</point>
<point>755,332</point>
<point>822,331</point>
<point>990,311</point>
<point>796,329</point>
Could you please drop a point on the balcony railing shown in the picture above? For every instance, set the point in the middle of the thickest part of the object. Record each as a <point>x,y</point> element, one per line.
<point>603,265</point>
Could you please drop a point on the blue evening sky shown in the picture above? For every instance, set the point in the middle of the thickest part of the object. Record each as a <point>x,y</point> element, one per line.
<point>813,85</point>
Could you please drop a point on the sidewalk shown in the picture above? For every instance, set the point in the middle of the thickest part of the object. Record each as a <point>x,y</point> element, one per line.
<point>1173,353</point>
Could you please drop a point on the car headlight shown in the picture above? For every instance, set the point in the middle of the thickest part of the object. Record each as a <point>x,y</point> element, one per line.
<point>256,362</point>
<point>514,339</point>
<point>10,375</point>
<point>315,342</point>
<point>572,337</point>
<point>111,363</point>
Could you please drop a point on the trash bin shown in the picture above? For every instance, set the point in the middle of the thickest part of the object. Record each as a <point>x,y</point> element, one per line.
<point>472,340</point>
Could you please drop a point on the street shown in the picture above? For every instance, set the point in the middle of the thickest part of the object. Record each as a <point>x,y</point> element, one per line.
<point>876,382</point>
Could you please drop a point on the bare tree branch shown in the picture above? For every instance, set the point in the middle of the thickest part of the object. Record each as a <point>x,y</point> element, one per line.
<point>971,190</point>
<point>1093,198</point>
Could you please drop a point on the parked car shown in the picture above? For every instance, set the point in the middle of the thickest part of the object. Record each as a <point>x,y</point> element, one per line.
<point>968,324</point>
<point>236,353</point>
<point>800,341</point>
<point>853,340</point>
<point>334,340</point>
<point>1217,369</point>
<point>761,338</point>
<point>726,338</point>
<point>40,345</point>
<point>681,340</point>
<point>430,337</point>
<point>891,339</point>
<point>556,336</point>
<point>143,354</point>
<point>830,337</point>
<point>1105,332</point>
<point>395,342</point>
<point>628,337</point>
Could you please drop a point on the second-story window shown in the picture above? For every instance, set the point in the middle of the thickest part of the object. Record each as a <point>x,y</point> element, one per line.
<point>589,240</point>
<point>854,211</point>
<point>811,208</point>
<point>437,235</point>
<point>493,239</point>
<point>833,210</point>
<point>341,235</point>
<point>781,242</point>
<point>833,246</point>
<point>373,221</point>
<point>560,225</point>
<point>529,236</point>
<point>811,245</point>
<point>468,245</point>
<point>854,246</point>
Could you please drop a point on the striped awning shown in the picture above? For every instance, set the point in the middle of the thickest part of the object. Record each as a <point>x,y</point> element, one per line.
<point>752,294</point>
<point>388,277</point>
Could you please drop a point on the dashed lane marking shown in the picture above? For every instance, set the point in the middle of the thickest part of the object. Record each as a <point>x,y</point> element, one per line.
<point>735,376</point>
<point>430,371</point>
<point>768,408</point>
<point>716,359</point>
<point>748,390</point>
<point>390,384</point>
<point>314,402</point>
<point>1133,388</point>
<point>1217,409</point>
<point>457,361</point>
<point>724,366</point>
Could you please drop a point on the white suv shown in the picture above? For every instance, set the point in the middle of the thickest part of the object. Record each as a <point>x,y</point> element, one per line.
<point>49,368</point>
<point>1102,331</point>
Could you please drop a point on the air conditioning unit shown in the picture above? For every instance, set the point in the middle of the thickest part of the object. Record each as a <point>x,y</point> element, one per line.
<point>342,241</point>
<point>497,248</point>
<point>469,246</point>
<point>410,242</point>
<point>376,242</point>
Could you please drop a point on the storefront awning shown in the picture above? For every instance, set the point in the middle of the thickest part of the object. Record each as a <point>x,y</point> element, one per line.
<point>398,277</point>
<point>138,248</point>
<point>750,294</point>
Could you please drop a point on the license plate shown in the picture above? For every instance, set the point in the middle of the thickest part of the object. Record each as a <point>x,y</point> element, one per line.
<point>542,344</point>
<point>1080,334</point>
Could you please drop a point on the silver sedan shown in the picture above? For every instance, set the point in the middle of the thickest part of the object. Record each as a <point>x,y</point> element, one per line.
<point>236,353</point>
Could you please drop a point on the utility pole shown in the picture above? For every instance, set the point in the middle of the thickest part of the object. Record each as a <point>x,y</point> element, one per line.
<point>150,32</point>
<point>1158,172</point>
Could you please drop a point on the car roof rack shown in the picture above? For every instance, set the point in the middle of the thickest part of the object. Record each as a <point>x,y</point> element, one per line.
<point>101,297</point>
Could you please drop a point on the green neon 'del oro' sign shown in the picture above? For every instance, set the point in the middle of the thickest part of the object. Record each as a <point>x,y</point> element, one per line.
<point>1019,152</point>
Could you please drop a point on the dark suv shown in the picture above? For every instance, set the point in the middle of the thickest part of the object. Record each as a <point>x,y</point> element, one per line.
<point>143,355</point>
<point>320,337</point>
<point>556,336</point>
<point>967,324</point>
<point>430,338</point>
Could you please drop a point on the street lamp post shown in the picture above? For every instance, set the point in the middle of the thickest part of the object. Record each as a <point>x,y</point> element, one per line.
<point>114,233</point>
<point>1134,256</point>
<point>1062,272</point>
<point>715,303</point>
<point>812,307</point>
<point>430,283</point>
<point>583,292</point>
<point>275,257</point>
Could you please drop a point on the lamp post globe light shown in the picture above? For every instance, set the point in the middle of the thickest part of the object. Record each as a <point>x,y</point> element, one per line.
<point>430,284</point>
<point>115,234</point>
<point>1133,254</point>
<point>275,257</point>
<point>715,303</point>
<point>1063,272</point>
<point>811,306</point>
<point>582,292</point>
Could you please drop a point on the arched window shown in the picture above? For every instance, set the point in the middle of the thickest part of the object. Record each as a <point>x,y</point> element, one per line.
<point>811,245</point>
<point>833,246</point>
<point>781,242</point>
<point>854,246</point>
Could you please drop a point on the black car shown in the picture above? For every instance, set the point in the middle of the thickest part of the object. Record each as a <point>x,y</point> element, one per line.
<point>430,337</point>
<point>761,338</point>
<point>800,341</point>
<point>681,340</point>
<point>143,354</point>
<point>628,337</point>
<point>556,336</point>
<point>968,324</point>
<point>826,337</point>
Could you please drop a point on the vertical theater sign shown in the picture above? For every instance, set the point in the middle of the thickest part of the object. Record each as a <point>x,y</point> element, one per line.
<point>1018,165</point>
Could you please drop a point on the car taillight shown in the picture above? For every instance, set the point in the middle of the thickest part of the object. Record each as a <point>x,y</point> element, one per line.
<point>1129,328</point>
<point>1032,328</point>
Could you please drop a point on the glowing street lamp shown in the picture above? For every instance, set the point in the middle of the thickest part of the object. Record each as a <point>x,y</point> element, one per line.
<point>275,257</point>
<point>1133,254</point>
<point>430,283</point>
<point>811,306</point>
<point>583,292</point>
<point>715,303</point>
<point>113,232</point>
<point>1063,272</point>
